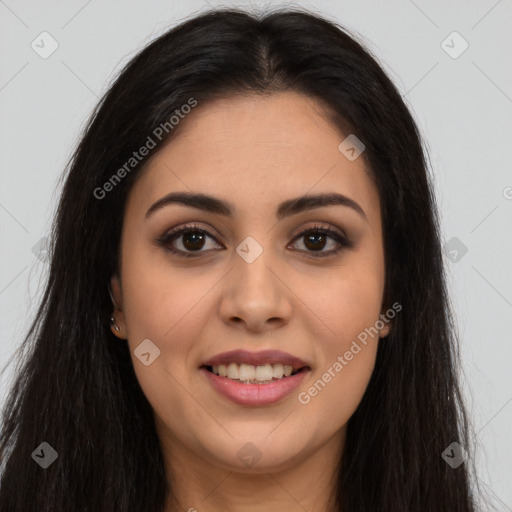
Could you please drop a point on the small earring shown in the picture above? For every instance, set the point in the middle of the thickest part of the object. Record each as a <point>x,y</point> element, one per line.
<point>113,323</point>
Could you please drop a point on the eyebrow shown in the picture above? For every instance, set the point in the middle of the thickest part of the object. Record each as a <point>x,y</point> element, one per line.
<point>286,208</point>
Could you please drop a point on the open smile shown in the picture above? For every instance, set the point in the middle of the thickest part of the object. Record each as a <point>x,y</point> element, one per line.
<point>255,378</point>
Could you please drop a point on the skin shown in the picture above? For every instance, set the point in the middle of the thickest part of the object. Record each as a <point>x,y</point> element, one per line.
<point>254,152</point>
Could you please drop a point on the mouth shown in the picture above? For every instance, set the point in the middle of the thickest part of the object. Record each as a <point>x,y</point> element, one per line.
<point>255,379</point>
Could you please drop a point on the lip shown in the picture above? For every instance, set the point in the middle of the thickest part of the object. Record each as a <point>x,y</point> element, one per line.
<point>255,394</point>
<point>256,358</point>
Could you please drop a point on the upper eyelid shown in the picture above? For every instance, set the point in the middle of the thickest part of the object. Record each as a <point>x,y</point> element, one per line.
<point>179,230</point>
<point>193,227</point>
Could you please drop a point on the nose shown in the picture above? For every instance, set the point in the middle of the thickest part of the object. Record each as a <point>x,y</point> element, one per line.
<point>255,297</point>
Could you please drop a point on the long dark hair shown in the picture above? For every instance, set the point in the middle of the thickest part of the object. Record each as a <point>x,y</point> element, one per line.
<point>75,386</point>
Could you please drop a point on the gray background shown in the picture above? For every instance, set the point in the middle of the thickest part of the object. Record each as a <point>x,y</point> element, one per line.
<point>463,106</point>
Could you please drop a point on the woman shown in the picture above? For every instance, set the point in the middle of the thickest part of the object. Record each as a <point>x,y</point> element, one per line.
<point>246,307</point>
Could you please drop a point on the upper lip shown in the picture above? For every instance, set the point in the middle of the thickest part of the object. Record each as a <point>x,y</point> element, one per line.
<point>256,358</point>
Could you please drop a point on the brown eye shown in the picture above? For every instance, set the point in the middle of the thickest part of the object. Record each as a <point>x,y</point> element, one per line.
<point>315,241</point>
<point>316,238</point>
<point>193,240</point>
<point>188,241</point>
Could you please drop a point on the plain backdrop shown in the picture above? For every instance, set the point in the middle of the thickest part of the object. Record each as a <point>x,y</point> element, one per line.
<point>460,97</point>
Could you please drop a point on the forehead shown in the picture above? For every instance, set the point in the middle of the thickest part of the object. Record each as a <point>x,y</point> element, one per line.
<point>256,150</point>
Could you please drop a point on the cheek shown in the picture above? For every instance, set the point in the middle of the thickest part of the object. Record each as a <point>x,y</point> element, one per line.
<point>166,307</point>
<point>353,315</point>
<point>337,391</point>
<point>349,304</point>
<point>347,364</point>
<point>346,352</point>
<point>170,310</point>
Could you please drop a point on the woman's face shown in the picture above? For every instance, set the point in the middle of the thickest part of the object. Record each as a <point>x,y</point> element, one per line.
<point>252,283</point>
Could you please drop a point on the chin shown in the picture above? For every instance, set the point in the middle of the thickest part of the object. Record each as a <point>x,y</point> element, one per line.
<point>257,451</point>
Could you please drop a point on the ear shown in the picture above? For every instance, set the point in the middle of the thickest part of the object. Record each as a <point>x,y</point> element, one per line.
<point>117,302</point>
<point>387,327</point>
<point>388,323</point>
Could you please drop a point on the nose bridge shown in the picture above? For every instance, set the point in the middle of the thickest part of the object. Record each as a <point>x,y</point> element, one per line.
<point>253,273</point>
<point>255,292</point>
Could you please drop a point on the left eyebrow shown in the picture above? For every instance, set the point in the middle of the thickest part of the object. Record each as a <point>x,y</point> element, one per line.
<point>286,208</point>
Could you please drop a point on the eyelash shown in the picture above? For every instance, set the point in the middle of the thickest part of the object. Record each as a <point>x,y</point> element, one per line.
<point>164,241</point>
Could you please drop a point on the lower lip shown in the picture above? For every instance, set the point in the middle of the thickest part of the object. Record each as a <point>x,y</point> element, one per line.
<point>255,394</point>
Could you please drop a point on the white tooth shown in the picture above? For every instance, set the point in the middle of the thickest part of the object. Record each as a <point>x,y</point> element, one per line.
<point>232,371</point>
<point>287,370</point>
<point>215,369</point>
<point>264,372</point>
<point>223,370</point>
<point>277,371</point>
<point>247,372</point>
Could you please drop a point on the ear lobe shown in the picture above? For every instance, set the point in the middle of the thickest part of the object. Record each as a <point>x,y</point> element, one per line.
<point>385,330</point>
<point>387,324</point>
<point>386,319</point>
